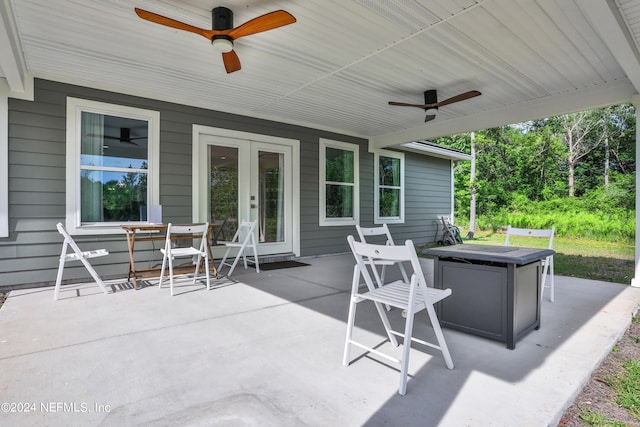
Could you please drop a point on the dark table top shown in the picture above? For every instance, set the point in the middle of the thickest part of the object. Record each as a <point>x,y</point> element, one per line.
<point>492,253</point>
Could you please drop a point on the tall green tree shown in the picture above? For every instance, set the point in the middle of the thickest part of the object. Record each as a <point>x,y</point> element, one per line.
<point>582,134</point>
<point>618,152</point>
<point>598,142</point>
<point>538,164</point>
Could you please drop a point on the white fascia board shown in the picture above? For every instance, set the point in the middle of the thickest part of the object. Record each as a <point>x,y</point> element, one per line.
<point>434,151</point>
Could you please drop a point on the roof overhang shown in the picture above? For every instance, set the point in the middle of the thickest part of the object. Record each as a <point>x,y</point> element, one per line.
<point>434,150</point>
<point>337,72</point>
<point>11,60</point>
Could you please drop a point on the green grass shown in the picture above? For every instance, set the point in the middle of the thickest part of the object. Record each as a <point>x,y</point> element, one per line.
<point>627,386</point>
<point>587,259</point>
<point>597,419</point>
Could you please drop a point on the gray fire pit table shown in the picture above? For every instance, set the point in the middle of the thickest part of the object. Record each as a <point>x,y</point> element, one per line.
<point>495,289</point>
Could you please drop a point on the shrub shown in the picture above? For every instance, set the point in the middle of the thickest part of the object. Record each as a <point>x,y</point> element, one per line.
<point>594,216</point>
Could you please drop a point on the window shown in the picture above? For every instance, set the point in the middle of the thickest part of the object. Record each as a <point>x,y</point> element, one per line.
<point>112,165</point>
<point>389,189</point>
<point>339,183</point>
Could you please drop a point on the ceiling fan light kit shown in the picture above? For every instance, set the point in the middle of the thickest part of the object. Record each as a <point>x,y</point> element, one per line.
<point>222,44</point>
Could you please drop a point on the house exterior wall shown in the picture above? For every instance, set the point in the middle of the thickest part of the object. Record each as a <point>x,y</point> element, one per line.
<point>36,149</point>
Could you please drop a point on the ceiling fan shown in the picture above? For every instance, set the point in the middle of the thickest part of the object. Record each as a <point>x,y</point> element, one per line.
<point>223,33</point>
<point>431,103</point>
<point>125,136</point>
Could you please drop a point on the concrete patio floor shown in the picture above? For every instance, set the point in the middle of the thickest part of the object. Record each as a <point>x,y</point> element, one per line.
<point>266,350</point>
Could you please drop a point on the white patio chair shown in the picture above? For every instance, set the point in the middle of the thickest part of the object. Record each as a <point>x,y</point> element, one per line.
<point>412,297</point>
<point>173,250</point>
<point>77,255</point>
<point>243,240</point>
<point>364,232</point>
<point>547,263</point>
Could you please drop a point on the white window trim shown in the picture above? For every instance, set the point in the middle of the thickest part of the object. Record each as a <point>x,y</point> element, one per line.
<point>4,164</point>
<point>324,221</point>
<point>75,107</point>
<point>377,219</point>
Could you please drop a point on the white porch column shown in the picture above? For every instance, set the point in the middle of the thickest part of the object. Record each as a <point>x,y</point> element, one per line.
<point>454,166</point>
<point>4,163</point>
<point>636,279</point>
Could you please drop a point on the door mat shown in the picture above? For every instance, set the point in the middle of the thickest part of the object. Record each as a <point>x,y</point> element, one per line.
<point>281,264</point>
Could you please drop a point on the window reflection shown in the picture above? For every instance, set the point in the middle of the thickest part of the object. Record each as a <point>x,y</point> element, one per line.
<point>113,168</point>
<point>223,191</point>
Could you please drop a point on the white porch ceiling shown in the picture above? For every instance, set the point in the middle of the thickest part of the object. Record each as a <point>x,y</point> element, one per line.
<point>337,67</point>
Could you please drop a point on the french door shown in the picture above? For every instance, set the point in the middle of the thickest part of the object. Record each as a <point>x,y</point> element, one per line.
<point>250,180</point>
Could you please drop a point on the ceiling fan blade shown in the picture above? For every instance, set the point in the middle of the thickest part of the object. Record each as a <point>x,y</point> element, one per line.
<point>404,104</point>
<point>429,117</point>
<point>458,98</point>
<point>266,22</point>
<point>117,138</point>
<point>163,20</point>
<point>231,61</point>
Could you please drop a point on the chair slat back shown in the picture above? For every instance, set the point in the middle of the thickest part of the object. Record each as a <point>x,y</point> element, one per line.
<point>364,232</point>
<point>529,232</point>
<point>397,253</point>
<point>187,230</point>
<point>244,232</point>
<point>68,240</point>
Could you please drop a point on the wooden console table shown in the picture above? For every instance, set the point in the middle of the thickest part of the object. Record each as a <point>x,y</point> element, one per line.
<point>157,232</point>
<point>495,289</point>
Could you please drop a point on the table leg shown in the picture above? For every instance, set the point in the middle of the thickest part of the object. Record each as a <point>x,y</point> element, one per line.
<point>131,241</point>
<point>511,299</point>
<point>213,264</point>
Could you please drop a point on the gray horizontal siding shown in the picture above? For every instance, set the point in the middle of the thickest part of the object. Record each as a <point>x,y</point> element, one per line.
<point>37,133</point>
<point>427,195</point>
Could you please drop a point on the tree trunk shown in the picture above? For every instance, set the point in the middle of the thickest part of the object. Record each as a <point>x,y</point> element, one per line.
<point>606,162</point>
<point>572,188</point>
<point>571,158</point>
<point>580,139</point>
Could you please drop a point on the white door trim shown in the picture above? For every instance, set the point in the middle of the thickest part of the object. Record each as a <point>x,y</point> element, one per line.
<point>199,167</point>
